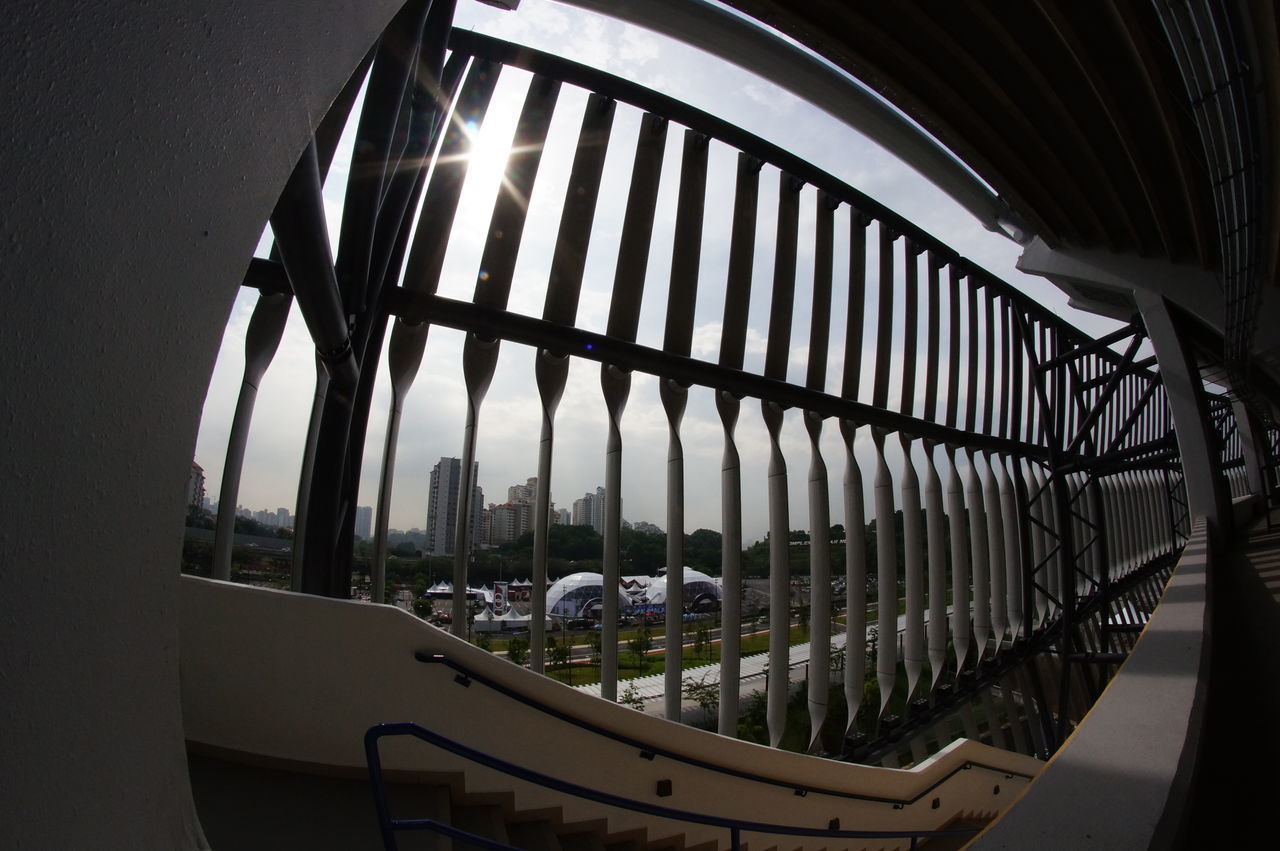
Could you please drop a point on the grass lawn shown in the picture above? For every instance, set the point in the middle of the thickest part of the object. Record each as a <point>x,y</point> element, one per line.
<point>629,665</point>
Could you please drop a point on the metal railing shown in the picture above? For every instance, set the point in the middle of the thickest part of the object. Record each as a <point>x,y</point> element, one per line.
<point>734,827</point>
<point>646,750</point>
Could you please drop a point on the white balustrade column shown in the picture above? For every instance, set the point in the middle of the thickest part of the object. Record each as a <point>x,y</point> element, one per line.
<point>977,555</point>
<point>616,384</point>
<point>886,578</point>
<point>674,398</point>
<point>404,356</point>
<point>551,371</point>
<point>730,567</point>
<point>819,584</point>
<point>913,563</point>
<point>936,528</point>
<point>855,572</point>
<point>994,509</point>
<point>779,579</point>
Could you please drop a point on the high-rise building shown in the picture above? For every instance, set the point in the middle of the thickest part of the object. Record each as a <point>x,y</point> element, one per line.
<point>443,499</point>
<point>195,486</point>
<point>510,521</point>
<point>561,516</point>
<point>285,520</point>
<point>526,493</point>
<point>364,521</point>
<point>589,511</point>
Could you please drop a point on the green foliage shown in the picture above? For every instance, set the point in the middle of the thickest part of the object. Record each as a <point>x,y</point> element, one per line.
<point>404,549</point>
<point>198,518</point>
<point>485,642</point>
<point>753,726</point>
<point>706,695</point>
<point>518,650</point>
<point>593,644</point>
<point>558,654</point>
<point>640,646</point>
<point>702,640</point>
<point>422,607</point>
<point>630,697</point>
<point>702,550</point>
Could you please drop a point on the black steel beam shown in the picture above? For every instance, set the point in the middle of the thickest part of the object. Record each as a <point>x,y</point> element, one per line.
<point>525,330</point>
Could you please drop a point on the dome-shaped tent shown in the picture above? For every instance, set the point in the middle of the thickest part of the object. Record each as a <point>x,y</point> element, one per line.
<point>579,595</point>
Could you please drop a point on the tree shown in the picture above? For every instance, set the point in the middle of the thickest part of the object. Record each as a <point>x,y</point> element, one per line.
<point>702,641</point>
<point>404,549</point>
<point>422,607</point>
<point>518,650</point>
<point>702,550</point>
<point>705,694</point>
<point>631,697</point>
<point>646,551</point>
<point>558,653</point>
<point>484,642</point>
<point>640,646</point>
<point>593,643</point>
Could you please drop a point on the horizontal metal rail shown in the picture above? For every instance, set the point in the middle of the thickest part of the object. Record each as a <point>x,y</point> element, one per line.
<point>734,826</point>
<point>649,751</point>
<point>562,339</point>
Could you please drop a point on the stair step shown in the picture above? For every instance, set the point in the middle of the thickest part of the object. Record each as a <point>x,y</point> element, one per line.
<point>485,820</point>
<point>583,840</point>
<point>534,836</point>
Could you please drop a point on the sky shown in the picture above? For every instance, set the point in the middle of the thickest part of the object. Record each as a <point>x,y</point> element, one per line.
<point>434,414</point>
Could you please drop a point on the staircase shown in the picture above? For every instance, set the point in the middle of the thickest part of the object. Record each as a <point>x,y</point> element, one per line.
<point>252,808</point>
<point>495,816</point>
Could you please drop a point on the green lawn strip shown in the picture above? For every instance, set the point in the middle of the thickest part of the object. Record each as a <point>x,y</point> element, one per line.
<point>629,666</point>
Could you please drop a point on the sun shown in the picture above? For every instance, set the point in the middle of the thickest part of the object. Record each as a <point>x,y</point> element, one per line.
<point>489,151</point>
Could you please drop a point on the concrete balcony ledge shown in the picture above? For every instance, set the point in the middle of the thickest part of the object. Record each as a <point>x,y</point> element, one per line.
<point>1121,780</point>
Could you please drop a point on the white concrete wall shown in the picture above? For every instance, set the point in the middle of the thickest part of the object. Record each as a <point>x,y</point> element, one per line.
<point>144,145</point>
<point>299,679</point>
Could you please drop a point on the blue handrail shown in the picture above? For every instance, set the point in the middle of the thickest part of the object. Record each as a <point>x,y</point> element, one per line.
<point>736,827</point>
<point>649,751</point>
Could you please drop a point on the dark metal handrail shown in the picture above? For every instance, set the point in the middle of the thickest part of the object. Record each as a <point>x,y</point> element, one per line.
<point>648,751</point>
<point>389,825</point>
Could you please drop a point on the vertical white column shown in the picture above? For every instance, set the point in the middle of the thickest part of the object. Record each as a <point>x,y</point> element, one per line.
<point>779,578</point>
<point>674,398</point>
<point>551,372</point>
<point>819,584</point>
<point>886,578</point>
<point>1186,402</point>
<point>1012,548</point>
<point>266,326</point>
<point>616,384</point>
<point>730,567</point>
<point>995,548</point>
<point>936,524</point>
<point>913,563</point>
<point>855,572</point>
<point>975,556</point>
<point>479,357</point>
<point>404,356</point>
